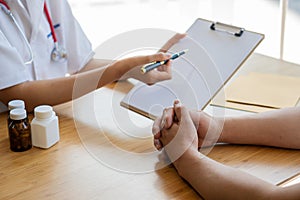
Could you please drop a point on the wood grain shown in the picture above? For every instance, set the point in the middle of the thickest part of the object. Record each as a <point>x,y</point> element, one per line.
<point>106,152</point>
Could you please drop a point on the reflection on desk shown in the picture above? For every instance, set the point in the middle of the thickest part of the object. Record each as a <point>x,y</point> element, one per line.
<point>104,155</point>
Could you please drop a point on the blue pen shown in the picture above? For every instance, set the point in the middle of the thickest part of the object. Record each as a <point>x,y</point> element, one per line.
<point>153,65</point>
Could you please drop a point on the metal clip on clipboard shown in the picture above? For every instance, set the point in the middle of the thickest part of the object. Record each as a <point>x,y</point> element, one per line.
<point>232,30</point>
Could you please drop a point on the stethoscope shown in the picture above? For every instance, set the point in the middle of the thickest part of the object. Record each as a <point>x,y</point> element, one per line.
<point>58,53</point>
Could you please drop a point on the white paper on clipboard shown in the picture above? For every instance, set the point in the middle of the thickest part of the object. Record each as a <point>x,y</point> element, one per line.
<point>215,53</point>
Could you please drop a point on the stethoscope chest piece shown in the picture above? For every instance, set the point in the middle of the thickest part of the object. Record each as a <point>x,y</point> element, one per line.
<point>58,54</point>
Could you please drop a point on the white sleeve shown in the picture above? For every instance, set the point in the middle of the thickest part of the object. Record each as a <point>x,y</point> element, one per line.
<point>79,47</point>
<point>73,37</point>
<point>12,68</point>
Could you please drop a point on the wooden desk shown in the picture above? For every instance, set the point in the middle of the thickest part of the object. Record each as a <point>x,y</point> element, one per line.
<point>106,152</point>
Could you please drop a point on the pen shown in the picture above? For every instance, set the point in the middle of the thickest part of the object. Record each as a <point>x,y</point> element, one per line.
<point>153,65</point>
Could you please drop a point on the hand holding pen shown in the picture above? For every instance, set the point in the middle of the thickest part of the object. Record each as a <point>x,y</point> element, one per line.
<point>154,65</point>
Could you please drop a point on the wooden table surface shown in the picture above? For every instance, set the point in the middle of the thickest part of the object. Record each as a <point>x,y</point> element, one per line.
<point>106,152</point>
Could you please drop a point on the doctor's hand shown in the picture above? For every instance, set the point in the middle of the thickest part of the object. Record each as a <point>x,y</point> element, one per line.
<point>181,136</point>
<point>159,74</point>
<point>208,128</point>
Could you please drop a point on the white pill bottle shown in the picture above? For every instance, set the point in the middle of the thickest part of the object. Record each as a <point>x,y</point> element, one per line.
<point>44,127</point>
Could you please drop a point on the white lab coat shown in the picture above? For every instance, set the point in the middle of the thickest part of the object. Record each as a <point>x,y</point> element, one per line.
<point>32,19</point>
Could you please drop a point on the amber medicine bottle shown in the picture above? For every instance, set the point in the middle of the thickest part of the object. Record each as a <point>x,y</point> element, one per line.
<point>19,130</point>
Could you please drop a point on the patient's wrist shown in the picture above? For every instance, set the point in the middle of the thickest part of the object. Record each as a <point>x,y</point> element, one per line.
<point>225,130</point>
<point>188,158</point>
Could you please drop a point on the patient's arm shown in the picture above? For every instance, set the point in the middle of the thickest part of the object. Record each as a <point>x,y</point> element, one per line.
<point>280,128</point>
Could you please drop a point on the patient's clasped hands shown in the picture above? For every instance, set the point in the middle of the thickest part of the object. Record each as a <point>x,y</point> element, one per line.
<point>179,130</point>
<point>177,134</point>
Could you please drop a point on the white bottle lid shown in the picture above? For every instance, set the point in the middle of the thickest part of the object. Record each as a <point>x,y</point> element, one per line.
<point>18,114</point>
<point>16,104</point>
<point>43,112</point>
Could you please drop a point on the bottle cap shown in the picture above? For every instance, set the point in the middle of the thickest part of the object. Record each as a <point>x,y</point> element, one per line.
<point>16,104</point>
<point>18,114</point>
<point>43,112</point>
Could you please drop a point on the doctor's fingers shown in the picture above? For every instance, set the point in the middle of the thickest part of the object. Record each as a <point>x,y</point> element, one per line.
<point>142,60</point>
<point>166,67</point>
<point>158,75</point>
<point>172,41</point>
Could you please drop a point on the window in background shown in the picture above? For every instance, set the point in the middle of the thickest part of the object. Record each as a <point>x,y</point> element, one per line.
<point>292,33</point>
<point>261,16</point>
<point>103,19</point>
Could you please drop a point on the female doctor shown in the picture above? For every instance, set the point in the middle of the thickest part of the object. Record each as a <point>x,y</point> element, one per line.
<point>41,42</point>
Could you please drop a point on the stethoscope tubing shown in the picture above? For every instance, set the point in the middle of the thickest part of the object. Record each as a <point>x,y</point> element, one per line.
<point>9,13</point>
<point>56,50</point>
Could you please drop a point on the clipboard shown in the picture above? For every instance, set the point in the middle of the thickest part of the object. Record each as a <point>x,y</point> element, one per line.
<point>216,51</point>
